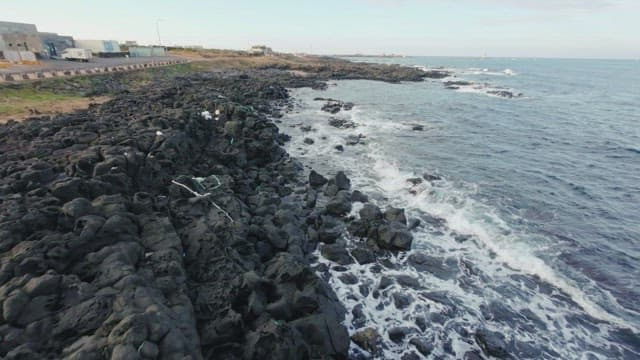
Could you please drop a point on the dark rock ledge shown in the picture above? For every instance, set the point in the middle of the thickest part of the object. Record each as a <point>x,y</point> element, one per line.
<point>142,229</point>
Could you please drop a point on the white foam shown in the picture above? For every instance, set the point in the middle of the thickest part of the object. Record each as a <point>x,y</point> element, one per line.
<point>496,249</point>
<point>469,217</point>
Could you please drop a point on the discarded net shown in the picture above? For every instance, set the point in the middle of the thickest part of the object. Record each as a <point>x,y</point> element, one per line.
<point>199,182</point>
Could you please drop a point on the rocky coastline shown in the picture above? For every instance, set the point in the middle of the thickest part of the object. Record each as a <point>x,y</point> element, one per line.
<point>169,223</point>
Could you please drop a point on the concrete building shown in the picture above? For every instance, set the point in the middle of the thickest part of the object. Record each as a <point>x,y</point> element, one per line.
<point>99,47</point>
<point>55,44</point>
<point>260,50</point>
<point>145,51</point>
<point>20,37</point>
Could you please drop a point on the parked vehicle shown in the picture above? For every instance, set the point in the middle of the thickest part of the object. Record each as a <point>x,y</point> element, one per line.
<point>76,54</point>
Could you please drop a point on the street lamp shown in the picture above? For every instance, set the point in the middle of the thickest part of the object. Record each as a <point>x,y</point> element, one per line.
<point>158,31</point>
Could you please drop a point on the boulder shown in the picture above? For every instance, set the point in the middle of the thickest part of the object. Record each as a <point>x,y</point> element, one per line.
<point>326,333</point>
<point>431,177</point>
<point>367,339</point>
<point>492,343</point>
<point>43,285</point>
<point>336,253</point>
<point>77,208</point>
<point>348,278</point>
<point>329,235</point>
<point>275,341</point>
<point>443,268</point>
<point>414,181</point>
<point>148,350</point>
<point>394,237</point>
<point>399,333</point>
<point>395,215</point>
<point>358,196</point>
<point>342,181</point>
<point>341,123</point>
<point>339,205</point>
<point>401,301</point>
<point>316,180</point>
<point>353,140</point>
<point>363,255</point>
<point>13,306</point>
<point>370,212</point>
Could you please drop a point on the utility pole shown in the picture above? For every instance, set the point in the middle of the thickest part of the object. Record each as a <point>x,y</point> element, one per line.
<point>158,31</point>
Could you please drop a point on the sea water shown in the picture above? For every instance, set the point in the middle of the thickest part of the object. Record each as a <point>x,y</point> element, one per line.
<point>531,227</point>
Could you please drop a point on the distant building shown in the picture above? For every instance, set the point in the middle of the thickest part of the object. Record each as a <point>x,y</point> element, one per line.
<point>260,50</point>
<point>145,51</point>
<point>17,38</point>
<point>99,47</point>
<point>55,44</point>
<point>129,43</point>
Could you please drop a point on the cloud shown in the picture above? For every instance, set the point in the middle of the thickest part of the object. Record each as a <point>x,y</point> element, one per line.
<point>558,4</point>
<point>540,5</point>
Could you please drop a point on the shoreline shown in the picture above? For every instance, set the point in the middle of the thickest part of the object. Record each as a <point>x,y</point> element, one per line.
<point>145,226</point>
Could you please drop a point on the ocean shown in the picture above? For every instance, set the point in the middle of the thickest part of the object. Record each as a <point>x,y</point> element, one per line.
<point>529,210</point>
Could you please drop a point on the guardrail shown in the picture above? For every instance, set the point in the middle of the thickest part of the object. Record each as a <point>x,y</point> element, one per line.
<point>48,74</point>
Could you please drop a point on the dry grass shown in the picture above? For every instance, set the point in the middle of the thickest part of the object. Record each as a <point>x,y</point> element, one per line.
<point>19,104</point>
<point>238,60</point>
<point>59,95</point>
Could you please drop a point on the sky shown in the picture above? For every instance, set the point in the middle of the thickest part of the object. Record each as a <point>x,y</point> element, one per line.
<point>505,28</point>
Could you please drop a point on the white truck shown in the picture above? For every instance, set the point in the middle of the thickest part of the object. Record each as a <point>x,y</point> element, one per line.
<point>76,54</point>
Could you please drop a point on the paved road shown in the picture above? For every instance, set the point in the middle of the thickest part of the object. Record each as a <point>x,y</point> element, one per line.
<point>64,65</point>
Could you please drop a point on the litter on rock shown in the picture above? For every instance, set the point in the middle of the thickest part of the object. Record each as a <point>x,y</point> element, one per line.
<point>200,181</point>
<point>207,115</point>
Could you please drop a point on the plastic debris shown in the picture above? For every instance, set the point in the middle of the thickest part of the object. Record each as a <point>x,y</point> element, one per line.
<point>206,115</point>
<point>159,133</point>
<point>199,181</point>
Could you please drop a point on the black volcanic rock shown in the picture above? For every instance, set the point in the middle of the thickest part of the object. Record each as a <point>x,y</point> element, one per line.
<point>504,93</point>
<point>335,106</point>
<point>437,74</point>
<point>316,180</point>
<point>141,228</point>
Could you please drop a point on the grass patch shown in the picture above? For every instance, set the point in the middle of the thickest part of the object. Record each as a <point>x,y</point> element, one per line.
<point>23,101</point>
<point>48,96</point>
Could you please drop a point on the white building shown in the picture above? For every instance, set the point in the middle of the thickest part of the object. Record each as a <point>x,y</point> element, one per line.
<point>260,50</point>
<point>21,40</point>
<point>99,46</point>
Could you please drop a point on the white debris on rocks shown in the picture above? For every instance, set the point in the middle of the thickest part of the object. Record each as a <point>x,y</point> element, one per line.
<point>197,194</point>
<point>207,115</point>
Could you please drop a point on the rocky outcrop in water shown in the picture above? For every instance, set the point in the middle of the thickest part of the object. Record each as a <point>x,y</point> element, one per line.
<point>335,106</point>
<point>504,93</point>
<point>341,123</point>
<point>456,84</point>
<point>437,74</point>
